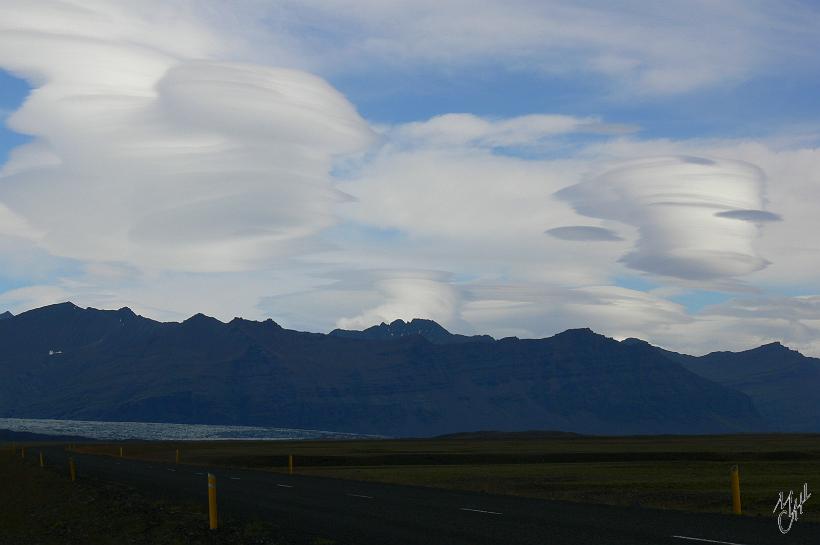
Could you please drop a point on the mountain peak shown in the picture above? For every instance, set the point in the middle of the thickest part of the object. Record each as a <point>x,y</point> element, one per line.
<point>417,326</point>
<point>55,310</point>
<point>634,341</point>
<point>581,336</point>
<point>6,315</point>
<point>579,332</point>
<point>238,321</point>
<point>426,322</point>
<point>67,305</point>
<point>200,318</point>
<point>125,311</point>
<point>774,347</point>
<point>422,327</point>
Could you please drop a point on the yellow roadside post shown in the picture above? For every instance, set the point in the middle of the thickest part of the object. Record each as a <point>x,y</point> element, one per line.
<point>735,475</point>
<point>121,452</point>
<point>42,460</point>
<point>212,517</point>
<point>177,456</point>
<point>22,452</point>
<point>290,464</point>
<point>72,469</point>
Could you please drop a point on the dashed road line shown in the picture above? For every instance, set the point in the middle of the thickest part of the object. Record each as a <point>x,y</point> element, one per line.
<point>234,478</point>
<point>361,496</point>
<point>285,485</point>
<point>480,511</point>
<point>706,540</point>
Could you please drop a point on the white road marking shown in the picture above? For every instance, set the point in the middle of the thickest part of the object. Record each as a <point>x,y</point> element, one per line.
<point>169,469</point>
<point>234,478</point>
<point>706,540</point>
<point>199,474</point>
<point>480,511</point>
<point>361,496</point>
<point>285,485</point>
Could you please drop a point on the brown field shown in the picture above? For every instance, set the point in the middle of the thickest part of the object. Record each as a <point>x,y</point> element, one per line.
<point>42,506</point>
<point>674,472</point>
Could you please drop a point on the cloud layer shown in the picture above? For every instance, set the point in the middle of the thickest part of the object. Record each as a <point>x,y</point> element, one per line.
<point>191,157</point>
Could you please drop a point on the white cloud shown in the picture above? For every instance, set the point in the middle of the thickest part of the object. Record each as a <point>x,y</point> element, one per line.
<point>11,224</point>
<point>457,194</point>
<point>791,190</point>
<point>675,203</point>
<point>147,154</point>
<point>467,130</point>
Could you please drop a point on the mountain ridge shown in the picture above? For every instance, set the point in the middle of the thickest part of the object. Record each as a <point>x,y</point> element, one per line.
<point>62,361</point>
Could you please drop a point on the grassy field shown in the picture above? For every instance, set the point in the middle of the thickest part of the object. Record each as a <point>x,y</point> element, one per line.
<point>674,472</point>
<point>43,507</point>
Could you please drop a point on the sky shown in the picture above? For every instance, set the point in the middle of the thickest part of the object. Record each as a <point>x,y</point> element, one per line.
<point>515,168</point>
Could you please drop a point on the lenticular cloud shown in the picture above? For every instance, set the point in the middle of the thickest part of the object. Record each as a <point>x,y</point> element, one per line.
<point>147,150</point>
<point>676,203</point>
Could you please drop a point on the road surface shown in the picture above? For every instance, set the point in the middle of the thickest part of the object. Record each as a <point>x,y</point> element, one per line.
<point>363,513</point>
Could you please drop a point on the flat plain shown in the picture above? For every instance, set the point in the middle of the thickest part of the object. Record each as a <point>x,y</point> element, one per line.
<point>42,507</point>
<point>689,473</point>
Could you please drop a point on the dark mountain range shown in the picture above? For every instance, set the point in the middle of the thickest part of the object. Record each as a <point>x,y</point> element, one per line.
<point>6,315</point>
<point>66,362</point>
<point>782,383</point>
<point>428,329</point>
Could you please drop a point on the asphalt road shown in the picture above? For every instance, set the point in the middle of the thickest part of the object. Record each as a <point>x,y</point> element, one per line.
<point>361,513</point>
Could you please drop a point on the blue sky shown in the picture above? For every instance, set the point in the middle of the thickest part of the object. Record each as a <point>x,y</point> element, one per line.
<point>755,108</point>
<point>12,93</point>
<point>514,168</point>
